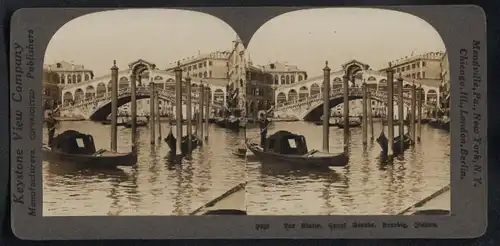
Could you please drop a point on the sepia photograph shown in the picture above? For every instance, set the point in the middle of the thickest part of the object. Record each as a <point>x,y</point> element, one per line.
<point>288,121</point>
<point>142,117</point>
<point>359,122</point>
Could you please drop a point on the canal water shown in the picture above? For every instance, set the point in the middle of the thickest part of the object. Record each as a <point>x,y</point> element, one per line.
<point>368,185</point>
<point>154,187</point>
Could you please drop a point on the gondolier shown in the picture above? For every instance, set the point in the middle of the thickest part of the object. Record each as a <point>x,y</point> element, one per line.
<point>51,123</point>
<point>263,125</point>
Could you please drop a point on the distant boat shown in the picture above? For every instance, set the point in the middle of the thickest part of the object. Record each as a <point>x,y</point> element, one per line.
<point>352,124</point>
<point>118,123</point>
<point>320,123</point>
<point>232,123</point>
<point>172,143</point>
<point>76,148</point>
<point>139,123</point>
<point>383,141</point>
<point>292,148</point>
<point>443,124</point>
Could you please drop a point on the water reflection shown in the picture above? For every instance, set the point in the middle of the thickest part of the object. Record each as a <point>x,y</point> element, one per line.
<point>369,185</point>
<point>154,187</point>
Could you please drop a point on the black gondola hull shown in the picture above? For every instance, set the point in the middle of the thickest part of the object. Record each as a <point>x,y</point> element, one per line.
<point>172,143</point>
<point>304,161</point>
<point>106,160</point>
<point>396,146</point>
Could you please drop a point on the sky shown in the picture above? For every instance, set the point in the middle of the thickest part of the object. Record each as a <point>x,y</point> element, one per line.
<point>306,38</point>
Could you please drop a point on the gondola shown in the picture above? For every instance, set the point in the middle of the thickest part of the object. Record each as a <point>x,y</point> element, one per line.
<point>172,143</point>
<point>139,123</point>
<point>75,148</point>
<point>440,124</point>
<point>232,202</point>
<point>291,148</point>
<point>352,124</point>
<point>232,123</point>
<point>383,141</point>
<point>108,122</point>
<point>320,123</point>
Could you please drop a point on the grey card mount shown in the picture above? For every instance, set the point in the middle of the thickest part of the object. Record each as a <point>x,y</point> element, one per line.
<point>213,123</point>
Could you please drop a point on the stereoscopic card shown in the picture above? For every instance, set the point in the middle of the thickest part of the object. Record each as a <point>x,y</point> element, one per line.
<point>288,123</point>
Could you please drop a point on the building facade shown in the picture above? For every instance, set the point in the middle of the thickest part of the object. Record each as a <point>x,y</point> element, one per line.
<point>445,84</point>
<point>259,91</point>
<point>237,77</point>
<point>211,65</point>
<point>51,88</point>
<point>70,73</point>
<point>424,66</point>
<point>284,73</point>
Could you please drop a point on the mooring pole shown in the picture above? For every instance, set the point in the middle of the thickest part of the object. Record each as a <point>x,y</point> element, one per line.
<point>201,101</point>
<point>401,107</point>
<point>370,115</point>
<point>207,110</point>
<point>158,115</point>
<point>346,111</point>
<point>189,115</point>
<point>178,108</point>
<point>326,108</point>
<point>114,106</point>
<point>365,113</point>
<point>152,112</point>
<point>419,113</point>
<point>390,110</point>
<point>413,112</point>
<point>133,109</point>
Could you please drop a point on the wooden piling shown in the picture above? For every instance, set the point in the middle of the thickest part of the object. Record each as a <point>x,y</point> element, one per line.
<point>201,102</point>
<point>370,116</point>
<point>326,108</point>
<point>114,106</point>
<point>365,114</point>
<point>133,109</point>
<point>390,110</point>
<point>189,115</point>
<point>157,114</point>
<point>346,110</point>
<point>152,118</point>
<point>401,117</point>
<point>413,113</point>
<point>178,108</point>
<point>207,110</point>
<point>419,113</point>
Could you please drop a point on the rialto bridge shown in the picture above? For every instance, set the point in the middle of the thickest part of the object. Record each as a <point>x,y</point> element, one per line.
<point>303,100</point>
<point>91,99</point>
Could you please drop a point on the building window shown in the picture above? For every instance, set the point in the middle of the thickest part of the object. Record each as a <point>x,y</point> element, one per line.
<point>418,64</point>
<point>418,75</point>
<point>292,79</point>
<point>288,79</point>
<point>413,75</point>
<point>200,75</point>
<point>397,70</point>
<point>408,67</point>
<point>282,79</point>
<point>200,65</point>
<point>413,66</point>
<point>423,63</point>
<point>210,63</point>
<point>205,74</point>
<point>423,75</point>
<point>300,77</point>
<point>63,81</point>
<point>276,79</point>
<point>59,65</point>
